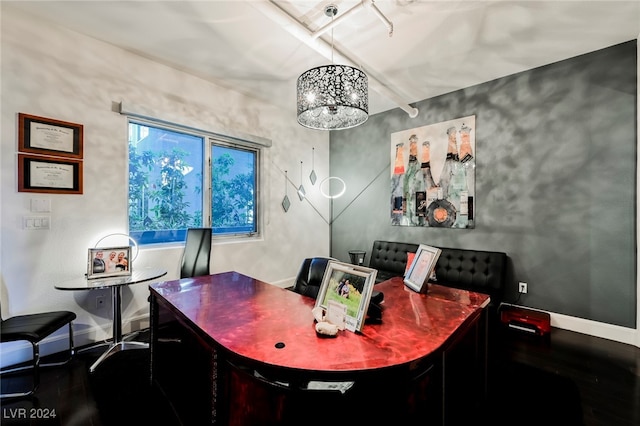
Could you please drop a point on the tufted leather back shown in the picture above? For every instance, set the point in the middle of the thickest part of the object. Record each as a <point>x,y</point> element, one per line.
<point>391,256</point>
<point>474,270</point>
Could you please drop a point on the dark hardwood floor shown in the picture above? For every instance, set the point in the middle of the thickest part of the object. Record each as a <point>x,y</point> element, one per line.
<point>565,379</point>
<point>605,374</point>
<point>118,392</point>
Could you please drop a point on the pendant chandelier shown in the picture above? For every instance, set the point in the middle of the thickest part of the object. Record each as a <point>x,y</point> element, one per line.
<point>332,97</point>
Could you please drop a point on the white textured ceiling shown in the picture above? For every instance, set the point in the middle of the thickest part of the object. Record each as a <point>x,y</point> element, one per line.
<point>260,47</point>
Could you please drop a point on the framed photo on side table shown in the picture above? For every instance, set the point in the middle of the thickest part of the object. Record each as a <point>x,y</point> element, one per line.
<point>349,285</point>
<point>421,268</point>
<point>106,262</point>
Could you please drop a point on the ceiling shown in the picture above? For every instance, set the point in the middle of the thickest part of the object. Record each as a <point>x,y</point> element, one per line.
<point>260,47</point>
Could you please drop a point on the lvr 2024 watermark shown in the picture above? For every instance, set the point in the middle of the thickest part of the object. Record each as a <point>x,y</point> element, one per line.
<point>28,413</point>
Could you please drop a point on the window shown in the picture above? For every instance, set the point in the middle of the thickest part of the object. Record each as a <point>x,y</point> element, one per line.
<point>234,201</point>
<point>171,189</point>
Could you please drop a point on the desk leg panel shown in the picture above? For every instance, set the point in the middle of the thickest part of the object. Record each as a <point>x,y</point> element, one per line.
<point>463,372</point>
<point>186,369</point>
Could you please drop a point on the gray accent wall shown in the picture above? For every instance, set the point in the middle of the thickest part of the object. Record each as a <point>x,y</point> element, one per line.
<point>555,182</point>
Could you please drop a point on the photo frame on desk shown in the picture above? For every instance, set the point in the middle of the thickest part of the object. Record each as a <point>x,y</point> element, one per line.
<point>38,173</point>
<point>104,262</point>
<point>349,285</point>
<point>421,268</point>
<point>48,136</point>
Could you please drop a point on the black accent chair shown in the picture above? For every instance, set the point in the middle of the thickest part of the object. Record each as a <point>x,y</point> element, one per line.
<point>197,253</point>
<point>310,276</point>
<point>34,328</point>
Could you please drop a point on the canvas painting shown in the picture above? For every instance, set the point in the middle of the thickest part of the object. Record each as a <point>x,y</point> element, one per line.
<point>433,175</point>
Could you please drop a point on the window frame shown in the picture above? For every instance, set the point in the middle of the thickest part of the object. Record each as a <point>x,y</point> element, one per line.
<point>246,146</point>
<point>239,141</point>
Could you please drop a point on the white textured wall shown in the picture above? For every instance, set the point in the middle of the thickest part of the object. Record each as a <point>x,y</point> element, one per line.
<point>50,72</point>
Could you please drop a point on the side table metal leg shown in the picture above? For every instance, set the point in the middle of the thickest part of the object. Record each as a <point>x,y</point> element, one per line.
<point>118,344</point>
<point>116,294</point>
<point>114,349</point>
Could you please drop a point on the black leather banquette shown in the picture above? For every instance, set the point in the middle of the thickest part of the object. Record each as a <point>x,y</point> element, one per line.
<point>474,270</point>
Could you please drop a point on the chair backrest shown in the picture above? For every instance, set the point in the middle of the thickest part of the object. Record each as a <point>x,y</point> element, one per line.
<point>310,276</point>
<point>197,253</point>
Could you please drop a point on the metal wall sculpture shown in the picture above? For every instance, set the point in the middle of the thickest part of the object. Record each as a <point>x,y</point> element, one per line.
<point>433,175</point>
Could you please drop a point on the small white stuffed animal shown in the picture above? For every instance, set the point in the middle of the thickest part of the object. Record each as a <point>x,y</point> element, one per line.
<point>326,328</point>
<point>323,327</point>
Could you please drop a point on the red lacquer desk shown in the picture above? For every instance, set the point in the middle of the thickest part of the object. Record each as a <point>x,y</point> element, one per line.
<point>230,349</point>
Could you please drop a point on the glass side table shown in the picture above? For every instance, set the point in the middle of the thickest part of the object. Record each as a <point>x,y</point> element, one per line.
<point>117,343</point>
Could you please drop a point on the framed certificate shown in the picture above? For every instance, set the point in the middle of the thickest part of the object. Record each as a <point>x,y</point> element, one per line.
<point>46,136</point>
<point>37,173</point>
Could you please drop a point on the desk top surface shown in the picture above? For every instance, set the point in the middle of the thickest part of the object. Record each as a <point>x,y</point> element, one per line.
<point>137,276</point>
<point>275,326</point>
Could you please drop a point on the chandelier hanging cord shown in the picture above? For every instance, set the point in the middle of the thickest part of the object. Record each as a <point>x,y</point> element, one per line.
<point>364,3</point>
<point>331,10</point>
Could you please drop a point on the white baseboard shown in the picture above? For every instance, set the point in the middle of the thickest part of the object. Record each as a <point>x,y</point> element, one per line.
<point>596,329</point>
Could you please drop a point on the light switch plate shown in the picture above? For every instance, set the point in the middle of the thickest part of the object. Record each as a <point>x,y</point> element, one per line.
<point>36,222</point>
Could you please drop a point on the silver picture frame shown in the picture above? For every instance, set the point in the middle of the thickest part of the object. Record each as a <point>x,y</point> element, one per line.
<point>349,285</point>
<point>421,268</point>
<point>105,262</point>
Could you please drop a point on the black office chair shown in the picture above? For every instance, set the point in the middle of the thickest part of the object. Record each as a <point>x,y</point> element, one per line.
<point>34,328</point>
<point>197,253</point>
<point>195,262</point>
<point>310,275</point>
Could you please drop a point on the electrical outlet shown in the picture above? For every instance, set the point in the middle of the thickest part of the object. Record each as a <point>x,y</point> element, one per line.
<point>522,287</point>
<point>100,302</point>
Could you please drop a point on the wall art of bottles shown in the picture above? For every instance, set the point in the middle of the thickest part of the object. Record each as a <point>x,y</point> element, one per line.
<point>433,175</point>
